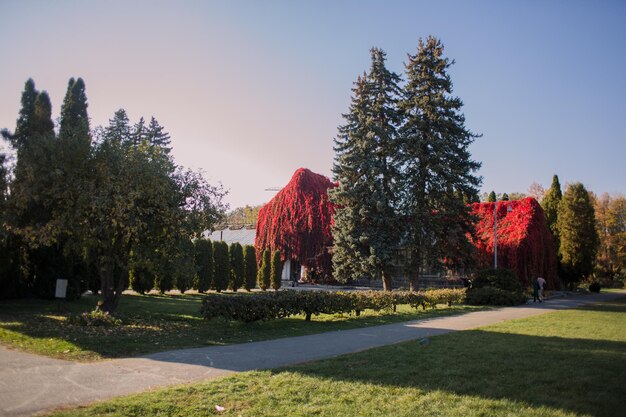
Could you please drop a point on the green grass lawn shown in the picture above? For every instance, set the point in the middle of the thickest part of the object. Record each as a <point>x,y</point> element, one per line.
<point>155,323</point>
<point>567,363</point>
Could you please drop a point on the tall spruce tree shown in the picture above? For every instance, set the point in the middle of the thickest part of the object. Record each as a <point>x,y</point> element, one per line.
<point>74,118</point>
<point>366,228</point>
<point>157,137</point>
<point>579,239</point>
<point>438,169</point>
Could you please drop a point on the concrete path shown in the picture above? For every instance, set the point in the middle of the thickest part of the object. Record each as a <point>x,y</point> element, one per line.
<point>31,383</point>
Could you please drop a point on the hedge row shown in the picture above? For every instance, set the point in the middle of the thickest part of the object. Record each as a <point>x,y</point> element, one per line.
<point>267,306</point>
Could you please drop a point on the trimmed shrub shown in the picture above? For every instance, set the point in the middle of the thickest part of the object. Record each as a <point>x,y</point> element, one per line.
<point>204,261</point>
<point>494,296</point>
<point>264,273</point>
<point>250,267</point>
<point>276,271</point>
<point>501,278</point>
<point>96,318</point>
<point>267,306</point>
<point>221,264</point>
<point>595,287</point>
<point>236,266</point>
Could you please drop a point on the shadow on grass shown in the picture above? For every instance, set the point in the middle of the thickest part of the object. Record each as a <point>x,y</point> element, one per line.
<point>584,376</point>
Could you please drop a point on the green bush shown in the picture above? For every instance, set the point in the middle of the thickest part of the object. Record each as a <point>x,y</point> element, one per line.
<point>95,318</point>
<point>204,261</point>
<point>221,263</point>
<point>250,267</point>
<point>494,296</point>
<point>264,273</point>
<point>276,271</point>
<point>236,266</point>
<point>502,278</point>
<point>267,306</point>
<point>595,287</point>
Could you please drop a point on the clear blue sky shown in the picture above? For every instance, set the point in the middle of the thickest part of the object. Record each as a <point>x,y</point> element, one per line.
<point>252,90</point>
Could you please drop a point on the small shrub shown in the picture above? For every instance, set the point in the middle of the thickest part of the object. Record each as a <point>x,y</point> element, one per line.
<point>250,267</point>
<point>96,318</point>
<point>595,287</point>
<point>264,272</point>
<point>236,266</point>
<point>276,271</point>
<point>501,278</point>
<point>494,297</point>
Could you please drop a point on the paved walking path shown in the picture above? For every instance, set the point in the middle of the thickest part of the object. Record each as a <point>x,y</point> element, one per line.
<point>31,383</point>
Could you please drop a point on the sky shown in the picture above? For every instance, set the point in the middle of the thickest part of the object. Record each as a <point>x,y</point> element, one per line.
<point>250,91</point>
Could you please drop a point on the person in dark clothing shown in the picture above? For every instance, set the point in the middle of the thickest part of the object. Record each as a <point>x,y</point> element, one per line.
<point>536,288</point>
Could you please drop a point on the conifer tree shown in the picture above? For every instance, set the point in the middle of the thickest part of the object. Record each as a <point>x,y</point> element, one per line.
<point>204,260</point>
<point>157,137</point>
<point>250,267</point>
<point>74,118</point>
<point>492,197</point>
<point>579,240</point>
<point>222,266</point>
<point>236,266</point>
<point>366,225</point>
<point>550,205</point>
<point>138,134</point>
<point>118,130</point>
<point>505,197</point>
<point>438,169</point>
<point>276,271</point>
<point>264,272</point>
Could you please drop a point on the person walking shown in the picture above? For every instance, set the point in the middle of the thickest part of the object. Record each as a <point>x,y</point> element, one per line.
<point>536,291</point>
<point>542,286</point>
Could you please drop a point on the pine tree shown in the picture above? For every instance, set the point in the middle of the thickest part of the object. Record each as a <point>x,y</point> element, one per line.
<point>157,137</point>
<point>264,272</point>
<point>138,134</point>
<point>492,197</point>
<point>236,266</point>
<point>579,240</point>
<point>438,169</point>
<point>276,271</point>
<point>118,130</point>
<point>221,264</point>
<point>505,197</point>
<point>250,267</point>
<point>366,228</point>
<point>74,118</point>
<point>550,205</point>
<point>204,260</point>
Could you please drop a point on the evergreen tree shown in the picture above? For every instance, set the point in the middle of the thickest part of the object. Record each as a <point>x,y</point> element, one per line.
<point>118,130</point>
<point>250,267</point>
<point>276,271</point>
<point>157,137</point>
<point>550,205</point>
<point>141,279</point>
<point>74,118</point>
<point>221,265</point>
<point>204,260</point>
<point>438,169</point>
<point>236,266</point>
<point>185,265</point>
<point>24,124</point>
<point>264,272</point>
<point>492,197</point>
<point>366,225</point>
<point>579,240</point>
<point>505,197</point>
<point>138,134</point>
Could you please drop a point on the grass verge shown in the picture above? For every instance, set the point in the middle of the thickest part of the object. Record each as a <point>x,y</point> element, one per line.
<point>154,323</point>
<point>562,364</point>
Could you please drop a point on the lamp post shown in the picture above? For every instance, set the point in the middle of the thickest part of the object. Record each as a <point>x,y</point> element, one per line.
<point>495,231</point>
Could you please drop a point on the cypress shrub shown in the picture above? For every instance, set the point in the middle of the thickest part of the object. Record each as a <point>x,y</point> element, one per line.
<point>276,271</point>
<point>222,266</point>
<point>264,273</point>
<point>141,279</point>
<point>250,267</point>
<point>204,261</point>
<point>236,266</point>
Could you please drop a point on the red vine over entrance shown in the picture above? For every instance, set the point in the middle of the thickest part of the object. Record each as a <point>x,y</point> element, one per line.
<point>298,220</point>
<point>525,243</point>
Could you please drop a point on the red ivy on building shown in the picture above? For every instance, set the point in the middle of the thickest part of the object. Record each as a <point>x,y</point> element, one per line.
<point>298,221</point>
<point>525,243</point>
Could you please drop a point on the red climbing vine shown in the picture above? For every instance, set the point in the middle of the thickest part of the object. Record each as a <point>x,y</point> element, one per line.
<point>298,221</point>
<point>525,243</point>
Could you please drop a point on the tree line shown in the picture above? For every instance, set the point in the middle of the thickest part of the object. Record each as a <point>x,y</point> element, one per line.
<point>95,206</point>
